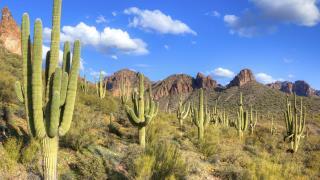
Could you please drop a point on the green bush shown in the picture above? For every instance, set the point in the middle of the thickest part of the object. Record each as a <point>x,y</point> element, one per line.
<point>91,167</point>
<point>13,147</point>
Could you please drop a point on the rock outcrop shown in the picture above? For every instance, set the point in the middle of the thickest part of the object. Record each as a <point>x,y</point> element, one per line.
<point>301,88</point>
<point>175,84</point>
<point>10,32</point>
<point>131,80</point>
<point>245,76</point>
<point>205,82</point>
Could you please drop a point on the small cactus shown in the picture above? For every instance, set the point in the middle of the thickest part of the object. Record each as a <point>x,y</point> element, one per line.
<point>85,85</point>
<point>242,120</point>
<point>295,120</point>
<point>272,127</point>
<point>182,111</point>
<point>101,87</point>
<point>253,120</point>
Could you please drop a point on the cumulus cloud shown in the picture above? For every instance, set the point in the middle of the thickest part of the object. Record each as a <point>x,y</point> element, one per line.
<point>222,72</point>
<point>266,78</point>
<point>96,74</point>
<point>166,47</point>
<point>45,49</point>
<point>267,15</point>
<point>108,41</point>
<point>155,20</point>
<point>115,57</point>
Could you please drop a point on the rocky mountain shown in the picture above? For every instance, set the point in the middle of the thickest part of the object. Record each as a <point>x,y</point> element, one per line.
<point>301,88</point>
<point>129,77</point>
<point>10,32</point>
<point>245,76</point>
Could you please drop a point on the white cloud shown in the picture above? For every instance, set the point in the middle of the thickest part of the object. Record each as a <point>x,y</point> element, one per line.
<point>114,57</point>
<point>114,13</point>
<point>222,72</point>
<point>290,76</point>
<point>96,74</point>
<point>45,49</point>
<point>267,15</point>
<point>166,47</point>
<point>101,19</point>
<point>155,20</point>
<point>213,13</point>
<point>108,41</point>
<point>266,78</point>
<point>287,61</point>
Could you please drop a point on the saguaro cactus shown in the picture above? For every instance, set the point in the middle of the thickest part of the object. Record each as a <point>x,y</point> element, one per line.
<point>101,86</point>
<point>253,120</point>
<point>272,128</point>
<point>215,116</point>
<point>143,110</point>
<point>295,119</point>
<point>50,116</point>
<point>200,116</point>
<point>242,121</point>
<point>84,85</point>
<point>182,111</point>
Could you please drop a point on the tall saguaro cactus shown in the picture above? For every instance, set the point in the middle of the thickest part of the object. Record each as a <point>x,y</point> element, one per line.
<point>242,120</point>
<point>200,116</point>
<point>295,119</point>
<point>182,112</point>
<point>143,110</point>
<point>101,87</point>
<point>49,106</point>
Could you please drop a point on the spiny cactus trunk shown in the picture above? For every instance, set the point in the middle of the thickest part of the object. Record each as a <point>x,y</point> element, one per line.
<point>142,136</point>
<point>200,132</point>
<point>49,148</point>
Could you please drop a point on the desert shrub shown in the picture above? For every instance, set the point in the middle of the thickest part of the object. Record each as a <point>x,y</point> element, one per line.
<point>30,154</point>
<point>84,129</point>
<point>13,147</point>
<point>143,166</point>
<point>107,105</point>
<point>91,167</point>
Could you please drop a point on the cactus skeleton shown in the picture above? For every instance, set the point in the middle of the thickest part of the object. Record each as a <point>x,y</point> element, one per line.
<point>242,120</point>
<point>49,107</point>
<point>200,116</point>
<point>101,86</point>
<point>295,120</point>
<point>143,110</point>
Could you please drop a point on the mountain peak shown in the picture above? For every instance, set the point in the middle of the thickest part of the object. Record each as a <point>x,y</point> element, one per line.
<point>245,76</point>
<point>10,32</point>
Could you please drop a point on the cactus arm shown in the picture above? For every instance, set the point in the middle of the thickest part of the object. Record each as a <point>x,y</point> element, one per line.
<point>37,81</point>
<point>64,88</point>
<point>55,105</point>
<point>72,90</point>
<point>66,57</point>
<point>19,91</point>
<point>133,118</point>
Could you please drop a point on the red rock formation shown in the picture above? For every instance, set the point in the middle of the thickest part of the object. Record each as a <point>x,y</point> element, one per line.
<point>245,76</point>
<point>10,32</point>
<point>301,88</point>
<point>202,81</point>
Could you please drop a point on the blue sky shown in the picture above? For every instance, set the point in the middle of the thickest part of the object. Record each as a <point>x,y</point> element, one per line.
<point>277,40</point>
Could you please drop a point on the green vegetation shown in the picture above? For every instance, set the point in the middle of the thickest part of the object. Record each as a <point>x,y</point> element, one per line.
<point>101,87</point>
<point>143,110</point>
<point>242,120</point>
<point>51,116</point>
<point>200,116</point>
<point>182,112</point>
<point>295,120</point>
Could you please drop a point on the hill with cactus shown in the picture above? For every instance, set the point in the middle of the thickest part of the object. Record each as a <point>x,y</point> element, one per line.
<point>125,126</point>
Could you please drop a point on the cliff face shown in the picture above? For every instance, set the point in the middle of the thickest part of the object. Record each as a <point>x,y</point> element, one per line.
<point>301,88</point>
<point>245,76</point>
<point>131,80</point>
<point>10,32</point>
